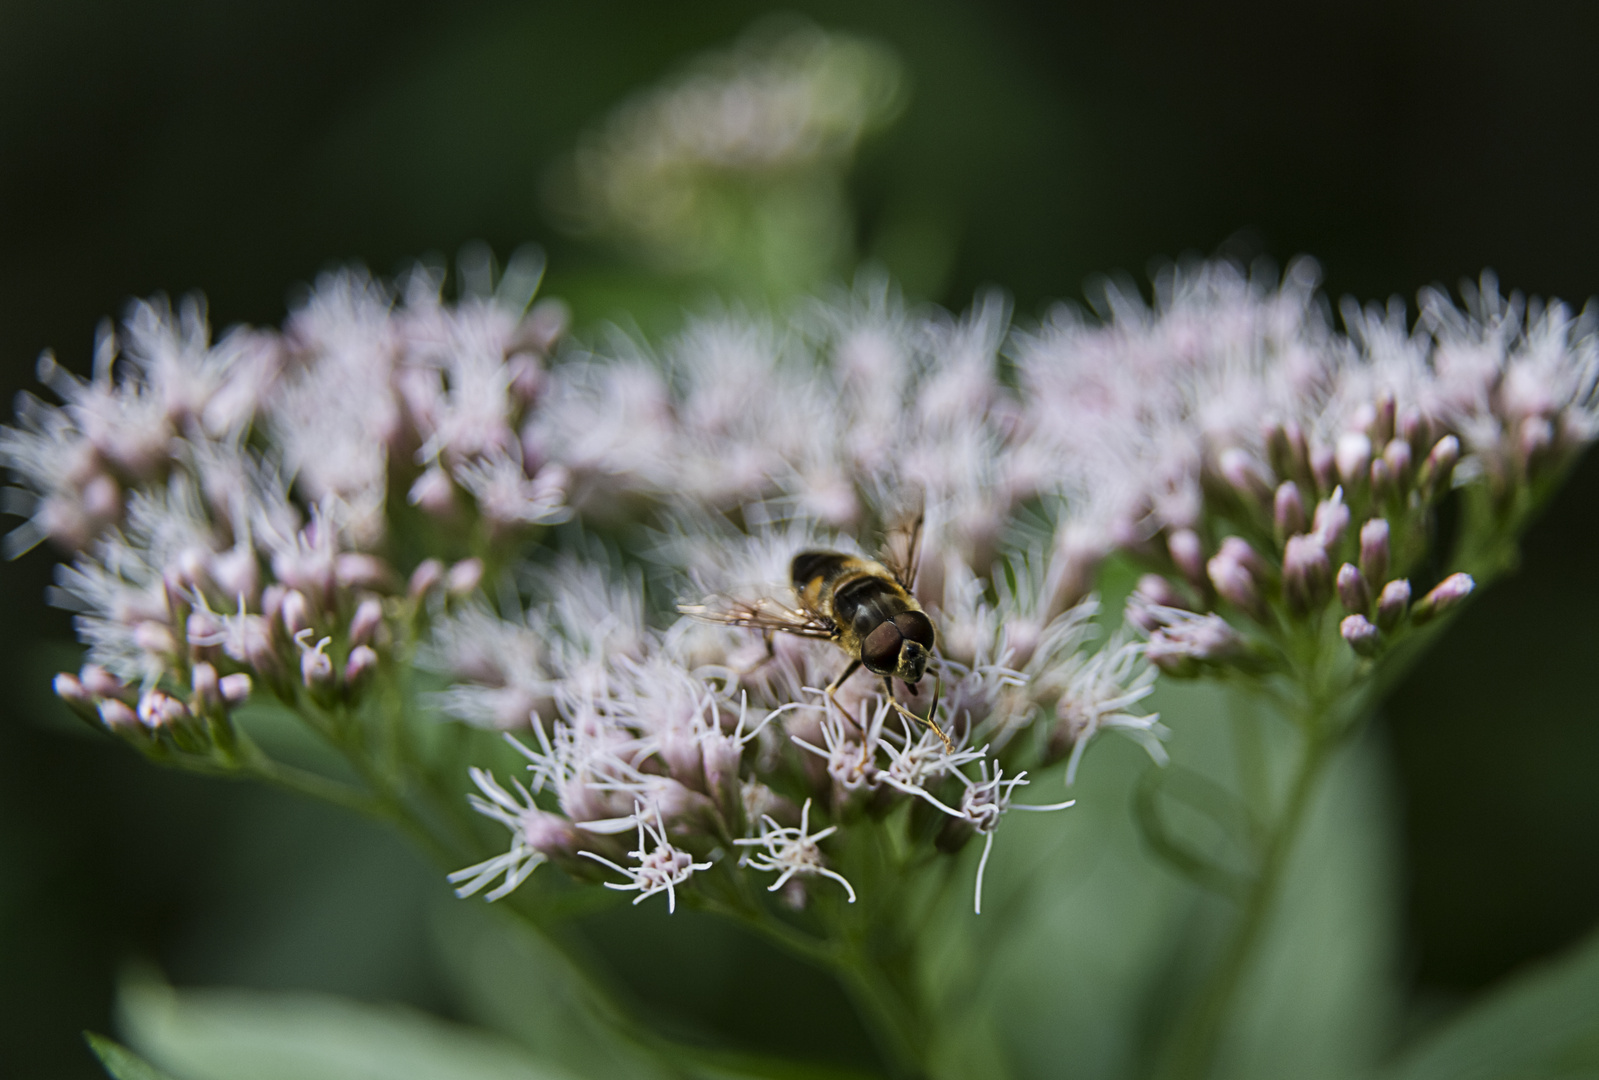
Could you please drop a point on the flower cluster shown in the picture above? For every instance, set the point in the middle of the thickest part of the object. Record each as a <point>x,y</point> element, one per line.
<point>231,505</point>
<point>314,510</point>
<point>1266,467</point>
<point>749,143</point>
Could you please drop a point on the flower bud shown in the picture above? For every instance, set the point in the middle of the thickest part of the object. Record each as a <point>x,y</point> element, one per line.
<point>1446,594</point>
<point>69,688</point>
<point>1392,603</point>
<point>1439,466</point>
<point>117,716</point>
<point>1397,455</point>
<point>236,573</point>
<point>1361,635</point>
<point>367,618</point>
<point>1288,509</point>
<point>1353,457</point>
<point>154,637</point>
<point>235,688</point>
<point>1352,590</point>
<point>428,573</point>
<point>207,687</point>
<point>272,601</point>
<point>1382,482</point>
<point>1179,648</point>
<point>433,492</point>
<point>1243,475</point>
<point>1374,550</point>
<point>1411,426</point>
<point>101,683</point>
<point>1232,572</point>
<point>1307,572</point>
<point>1188,554</point>
<point>158,709</point>
<point>1332,517</point>
<point>1324,467</point>
<point>296,612</point>
<point>363,660</point>
<point>463,577</point>
<point>357,570</point>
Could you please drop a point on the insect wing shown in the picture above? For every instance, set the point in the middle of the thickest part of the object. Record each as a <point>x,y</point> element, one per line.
<point>765,614</point>
<point>902,549</point>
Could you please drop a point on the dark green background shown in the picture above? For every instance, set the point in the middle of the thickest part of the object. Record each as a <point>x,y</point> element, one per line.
<point>240,148</point>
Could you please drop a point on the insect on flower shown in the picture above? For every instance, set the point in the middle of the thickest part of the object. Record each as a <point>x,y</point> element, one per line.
<point>864,606</point>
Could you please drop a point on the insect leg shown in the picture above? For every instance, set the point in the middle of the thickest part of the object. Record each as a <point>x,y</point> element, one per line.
<point>832,692</point>
<point>888,685</point>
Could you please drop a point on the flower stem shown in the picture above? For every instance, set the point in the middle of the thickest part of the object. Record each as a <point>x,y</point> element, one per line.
<point>1193,1047</point>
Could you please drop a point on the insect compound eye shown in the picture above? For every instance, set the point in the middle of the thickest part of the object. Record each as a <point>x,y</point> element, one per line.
<point>916,626</point>
<point>880,650</point>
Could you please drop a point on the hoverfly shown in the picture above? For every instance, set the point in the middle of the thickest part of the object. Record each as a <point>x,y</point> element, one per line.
<point>864,606</point>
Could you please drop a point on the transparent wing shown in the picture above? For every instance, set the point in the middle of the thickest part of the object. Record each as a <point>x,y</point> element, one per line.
<point>767,614</point>
<point>902,548</point>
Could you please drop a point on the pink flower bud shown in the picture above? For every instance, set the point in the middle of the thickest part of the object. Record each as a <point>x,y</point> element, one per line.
<point>463,577</point>
<point>362,662</point>
<point>154,637</point>
<point>1411,426</point>
<point>1446,594</point>
<point>523,374</point>
<point>158,709</point>
<point>235,688</point>
<point>1288,509</point>
<point>1439,466</point>
<point>428,573</point>
<point>1332,517</point>
<point>1392,603</point>
<point>207,687</point>
<point>236,573</point>
<point>296,612</point>
<point>1243,475</point>
<point>1382,482</point>
<point>70,689</point>
<point>433,492</point>
<point>1188,554</point>
<point>1307,572</point>
<point>1352,590</point>
<point>1353,457</point>
<point>1397,455</point>
<point>1374,550</point>
<point>117,716</point>
<point>357,570</point>
<point>1231,572</point>
<point>367,618</point>
<point>1361,635</point>
<point>100,682</point>
<point>1324,467</point>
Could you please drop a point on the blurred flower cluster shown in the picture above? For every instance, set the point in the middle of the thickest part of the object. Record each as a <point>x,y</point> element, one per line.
<point>1267,469</point>
<point>734,167</point>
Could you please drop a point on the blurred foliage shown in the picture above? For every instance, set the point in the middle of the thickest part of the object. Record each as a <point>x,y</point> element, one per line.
<point>172,144</point>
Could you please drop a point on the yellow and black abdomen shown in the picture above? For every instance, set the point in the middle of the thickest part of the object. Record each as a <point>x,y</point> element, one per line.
<point>857,594</point>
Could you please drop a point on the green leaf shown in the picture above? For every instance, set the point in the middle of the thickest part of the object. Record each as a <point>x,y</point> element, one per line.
<point>260,1035</point>
<point>1544,1025</point>
<point>120,1062</point>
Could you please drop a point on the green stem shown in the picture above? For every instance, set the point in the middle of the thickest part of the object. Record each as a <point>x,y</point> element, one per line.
<point>1194,1044</point>
<point>889,1011</point>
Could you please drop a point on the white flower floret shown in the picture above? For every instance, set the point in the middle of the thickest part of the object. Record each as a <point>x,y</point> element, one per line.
<point>790,851</point>
<point>661,868</point>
